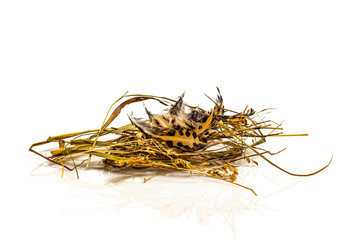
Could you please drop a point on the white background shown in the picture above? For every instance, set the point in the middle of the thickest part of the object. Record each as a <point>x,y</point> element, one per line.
<point>62,64</point>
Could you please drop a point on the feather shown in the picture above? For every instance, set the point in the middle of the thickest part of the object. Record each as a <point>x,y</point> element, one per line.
<point>178,106</point>
<point>179,129</point>
<point>176,116</point>
<point>183,138</point>
<point>219,108</point>
<point>196,115</point>
<point>147,129</point>
<point>250,112</point>
<point>161,120</point>
<point>206,124</point>
<point>148,113</point>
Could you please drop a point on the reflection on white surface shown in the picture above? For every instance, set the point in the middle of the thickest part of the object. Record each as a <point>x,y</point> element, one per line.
<point>168,195</point>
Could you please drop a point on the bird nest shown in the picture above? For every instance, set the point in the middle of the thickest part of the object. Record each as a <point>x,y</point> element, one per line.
<point>182,138</point>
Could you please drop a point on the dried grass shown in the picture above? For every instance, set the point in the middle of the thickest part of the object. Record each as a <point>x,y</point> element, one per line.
<point>233,140</point>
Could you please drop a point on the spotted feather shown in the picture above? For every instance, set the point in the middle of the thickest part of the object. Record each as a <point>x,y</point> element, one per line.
<point>178,129</point>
